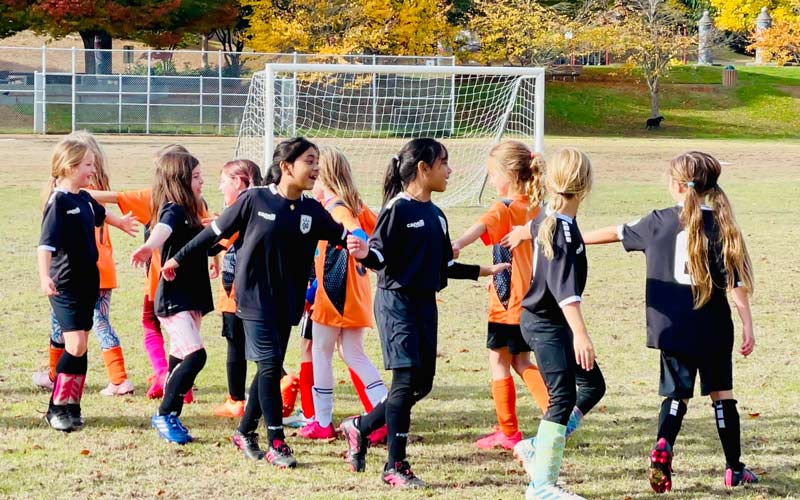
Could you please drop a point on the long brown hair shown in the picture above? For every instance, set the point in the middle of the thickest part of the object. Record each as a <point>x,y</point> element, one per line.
<point>569,175</point>
<point>173,183</point>
<point>523,167</point>
<point>335,174</point>
<point>699,174</point>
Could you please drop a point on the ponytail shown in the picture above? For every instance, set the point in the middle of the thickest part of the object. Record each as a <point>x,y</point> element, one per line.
<point>697,245</point>
<point>392,182</point>
<point>736,259</point>
<point>534,187</point>
<point>402,168</point>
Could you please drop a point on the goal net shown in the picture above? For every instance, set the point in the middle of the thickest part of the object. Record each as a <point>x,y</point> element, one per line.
<point>370,111</point>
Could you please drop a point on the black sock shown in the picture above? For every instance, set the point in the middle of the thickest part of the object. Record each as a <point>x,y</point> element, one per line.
<point>266,393</point>
<point>727,417</point>
<point>398,414</point>
<point>237,369</point>
<point>180,380</point>
<point>252,410</point>
<point>670,419</point>
<point>372,420</point>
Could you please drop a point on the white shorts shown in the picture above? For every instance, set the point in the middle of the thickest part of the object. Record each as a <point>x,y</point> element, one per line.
<point>184,333</point>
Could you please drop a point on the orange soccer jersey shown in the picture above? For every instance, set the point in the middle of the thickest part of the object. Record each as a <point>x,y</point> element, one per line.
<point>508,288</point>
<point>105,258</point>
<point>227,299</point>
<point>343,295</point>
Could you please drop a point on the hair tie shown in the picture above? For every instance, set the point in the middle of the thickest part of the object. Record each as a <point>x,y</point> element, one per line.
<point>396,158</point>
<point>690,184</point>
<point>534,154</point>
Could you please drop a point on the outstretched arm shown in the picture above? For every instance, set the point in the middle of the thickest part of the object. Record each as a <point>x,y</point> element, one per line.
<point>469,236</point>
<point>103,196</point>
<point>158,236</point>
<point>127,223</point>
<point>610,234</point>
<point>517,236</point>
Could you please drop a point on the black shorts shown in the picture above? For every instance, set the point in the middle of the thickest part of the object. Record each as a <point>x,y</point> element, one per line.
<point>500,335</point>
<point>407,324</point>
<point>232,327</point>
<point>74,311</point>
<point>679,371</point>
<point>306,325</point>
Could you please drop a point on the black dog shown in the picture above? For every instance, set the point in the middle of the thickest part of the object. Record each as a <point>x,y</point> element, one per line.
<point>654,122</point>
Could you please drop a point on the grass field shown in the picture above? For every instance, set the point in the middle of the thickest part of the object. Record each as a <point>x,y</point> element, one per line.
<point>119,456</point>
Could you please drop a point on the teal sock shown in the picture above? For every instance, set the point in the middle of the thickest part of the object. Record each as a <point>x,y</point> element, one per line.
<point>550,441</point>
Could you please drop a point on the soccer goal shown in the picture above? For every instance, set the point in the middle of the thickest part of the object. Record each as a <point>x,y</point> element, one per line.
<point>370,111</point>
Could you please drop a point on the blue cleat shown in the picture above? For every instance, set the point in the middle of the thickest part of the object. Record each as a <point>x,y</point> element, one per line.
<point>170,428</point>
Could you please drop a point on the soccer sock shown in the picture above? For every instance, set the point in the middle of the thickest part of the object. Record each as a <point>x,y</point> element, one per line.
<point>535,384</point>
<point>361,391</point>
<point>323,405</point>
<point>252,410</point>
<point>306,384</point>
<point>575,419</point>
<point>153,339</point>
<point>115,365</point>
<point>236,367</point>
<point>550,441</point>
<point>727,417</point>
<point>372,420</point>
<point>398,414</point>
<point>70,377</point>
<point>505,405</point>
<point>180,380</point>
<point>269,395</point>
<point>56,350</point>
<point>290,386</point>
<point>670,419</point>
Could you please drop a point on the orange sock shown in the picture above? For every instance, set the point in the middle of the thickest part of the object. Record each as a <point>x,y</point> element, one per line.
<point>535,384</point>
<point>505,404</point>
<point>360,390</point>
<point>115,365</point>
<point>55,355</point>
<point>306,385</point>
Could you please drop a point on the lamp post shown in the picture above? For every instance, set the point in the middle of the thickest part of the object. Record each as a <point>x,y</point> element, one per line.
<point>705,27</point>
<point>763,22</point>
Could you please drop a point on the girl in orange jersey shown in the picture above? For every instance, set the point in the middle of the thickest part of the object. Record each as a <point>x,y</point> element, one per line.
<point>343,300</point>
<point>516,173</point>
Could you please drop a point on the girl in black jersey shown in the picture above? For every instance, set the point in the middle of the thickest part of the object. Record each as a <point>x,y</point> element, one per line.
<point>411,249</point>
<point>180,304</point>
<point>694,253</point>
<point>279,228</point>
<point>552,322</point>
<point>68,274</point>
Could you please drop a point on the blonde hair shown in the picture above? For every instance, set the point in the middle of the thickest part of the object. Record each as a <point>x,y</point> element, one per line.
<point>523,167</point>
<point>335,174</point>
<point>698,173</point>
<point>569,176</point>
<point>67,155</point>
<point>101,182</point>
<point>173,183</point>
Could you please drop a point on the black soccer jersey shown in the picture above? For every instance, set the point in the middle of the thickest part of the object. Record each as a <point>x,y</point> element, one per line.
<point>672,322</point>
<point>278,239</point>
<point>560,281</point>
<point>410,247</point>
<point>68,232</point>
<point>191,288</point>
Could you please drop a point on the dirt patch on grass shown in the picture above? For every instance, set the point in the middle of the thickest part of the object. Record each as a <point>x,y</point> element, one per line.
<point>792,90</point>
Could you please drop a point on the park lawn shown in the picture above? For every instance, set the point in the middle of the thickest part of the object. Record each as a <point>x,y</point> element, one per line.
<point>118,455</point>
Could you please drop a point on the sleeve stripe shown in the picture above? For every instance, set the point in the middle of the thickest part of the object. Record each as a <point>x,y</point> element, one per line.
<point>621,232</point>
<point>569,300</point>
<point>46,247</point>
<point>451,263</point>
<point>215,228</point>
<point>344,234</point>
<point>377,254</point>
<point>165,226</point>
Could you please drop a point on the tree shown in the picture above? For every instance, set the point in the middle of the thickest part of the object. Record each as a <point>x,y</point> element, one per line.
<point>780,43</point>
<point>232,37</point>
<point>13,17</point>
<point>740,15</point>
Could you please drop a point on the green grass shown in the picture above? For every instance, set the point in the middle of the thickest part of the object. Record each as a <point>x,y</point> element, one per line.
<point>605,459</point>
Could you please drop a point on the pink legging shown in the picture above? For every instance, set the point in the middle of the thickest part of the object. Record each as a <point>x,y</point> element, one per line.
<point>153,338</point>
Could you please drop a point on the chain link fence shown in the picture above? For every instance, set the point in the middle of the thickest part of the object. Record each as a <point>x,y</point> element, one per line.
<point>141,91</point>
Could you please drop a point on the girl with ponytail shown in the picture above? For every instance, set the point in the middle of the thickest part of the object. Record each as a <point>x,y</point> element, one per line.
<point>552,322</point>
<point>695,252</point>
<point>516,173</point>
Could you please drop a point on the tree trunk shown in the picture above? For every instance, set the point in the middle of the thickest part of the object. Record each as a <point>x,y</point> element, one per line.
<point>654,100</point>
<point>101,62</point>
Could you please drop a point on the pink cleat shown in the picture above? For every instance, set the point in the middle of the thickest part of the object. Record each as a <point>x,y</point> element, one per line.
<point>499,440</point>
<point>316,431</point>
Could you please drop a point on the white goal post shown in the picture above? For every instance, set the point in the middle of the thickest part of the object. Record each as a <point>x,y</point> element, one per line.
<point>370,111</point>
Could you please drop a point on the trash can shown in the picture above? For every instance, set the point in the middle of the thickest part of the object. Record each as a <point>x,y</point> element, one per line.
<point>729,76</point>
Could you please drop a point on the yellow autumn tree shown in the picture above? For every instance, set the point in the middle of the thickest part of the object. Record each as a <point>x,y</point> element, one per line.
<point>780,43</point>
<point>402,27</point>
<point>740,15</point>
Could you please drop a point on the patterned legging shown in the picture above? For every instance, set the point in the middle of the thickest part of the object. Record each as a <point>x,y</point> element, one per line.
<point>102,325</point>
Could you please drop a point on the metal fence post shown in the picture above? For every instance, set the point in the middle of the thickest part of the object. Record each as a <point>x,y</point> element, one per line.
<point>269,115</point>
<point>44,89</point>
<point>119,103</point>
<point>201,104</point>
<point>147,105</point>
<point>374,96</point>
<point>73,99</point>
<point>219,92</point>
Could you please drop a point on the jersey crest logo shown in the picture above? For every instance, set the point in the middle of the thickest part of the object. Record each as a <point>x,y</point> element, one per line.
<point>444,224</point>
<point>74,211</point>
<point>305,224</point>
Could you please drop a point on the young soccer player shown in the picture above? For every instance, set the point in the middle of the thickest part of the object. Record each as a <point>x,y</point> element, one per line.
<point>236,176</point>
<point>118,382</point>
<point>552,322</point>
<point>180,304</point>
<point>343,301</point>
<point>515,171</point>
<point>68,273</point>
<point>412,251</point>
<point>694,254</point>
<point>279,228</point>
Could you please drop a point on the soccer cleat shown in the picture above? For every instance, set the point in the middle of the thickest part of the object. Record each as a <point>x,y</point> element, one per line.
<point>378,436</point>
<point>42,379</point>
<point>248,443</point>
<point>126,387</point>
<point>290,387</point>
<point>525,453</point>
<point>74,412</point>
<point>660,474</point>
<point>280,455</point>
<point>297,420</point>
<point>356,445</point>
<point>156,389</point>
<point>169,428</point>
<point>59,419</point>
<point>230,408</point>
<point>401,476</point>
<point>316,431</point>
<point>744,476</point>
<point>499,440</point>
<point>549,492</point>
